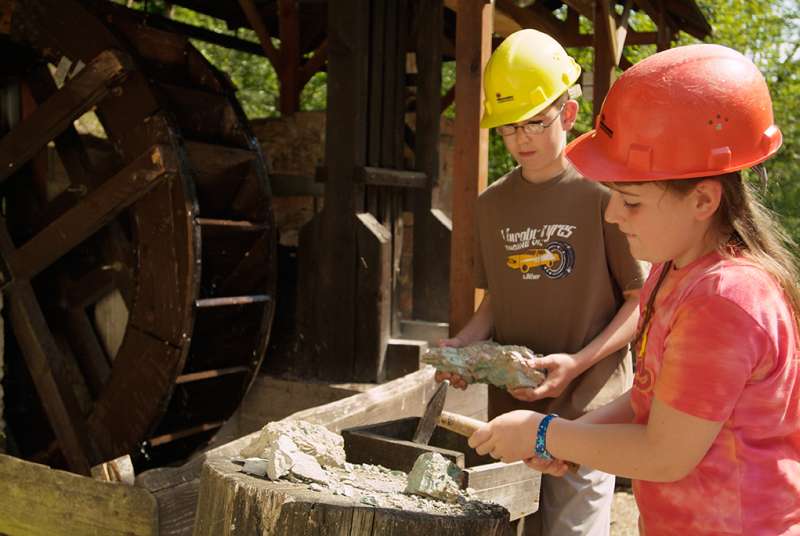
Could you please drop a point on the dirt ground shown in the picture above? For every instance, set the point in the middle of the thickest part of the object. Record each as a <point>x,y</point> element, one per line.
<point>624,514</point>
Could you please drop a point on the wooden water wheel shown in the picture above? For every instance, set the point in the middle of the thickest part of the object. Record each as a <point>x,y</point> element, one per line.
<point>139,289</point>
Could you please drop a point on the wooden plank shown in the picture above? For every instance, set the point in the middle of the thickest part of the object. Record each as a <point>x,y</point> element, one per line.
<point>491,475</point>
<point>53,116</point>
<point>116,470</point>
<point>520,498</point>
<point>395,178</point>
<point>471,152</point>
<point>373,299</point>
<point>89,288</point>
<point>95,210</point>
<point>38,500</point>
<point>398,454</point>
<point>334,337</point>
<point>376,102</point>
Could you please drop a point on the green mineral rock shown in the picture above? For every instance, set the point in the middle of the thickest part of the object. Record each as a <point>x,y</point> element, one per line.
<point>506,366</point>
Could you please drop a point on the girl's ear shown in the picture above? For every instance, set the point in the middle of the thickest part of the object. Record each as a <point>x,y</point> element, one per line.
<point>706,199</point>
<point>570,114</point>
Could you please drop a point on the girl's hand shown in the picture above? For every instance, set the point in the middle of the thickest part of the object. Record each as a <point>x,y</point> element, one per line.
<point>561,370</point>
<point>456,380</point>
<point>549,467</point>
<point>509,437</point>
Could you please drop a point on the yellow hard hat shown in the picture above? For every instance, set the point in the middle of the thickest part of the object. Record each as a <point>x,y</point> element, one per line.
<point>527,72</point>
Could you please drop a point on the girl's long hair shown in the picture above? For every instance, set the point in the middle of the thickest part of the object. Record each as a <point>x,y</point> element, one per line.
<point>754,234</point>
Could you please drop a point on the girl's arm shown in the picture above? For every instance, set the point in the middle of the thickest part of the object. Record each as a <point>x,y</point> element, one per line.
<point>617,412</point>
<point>664,450</point>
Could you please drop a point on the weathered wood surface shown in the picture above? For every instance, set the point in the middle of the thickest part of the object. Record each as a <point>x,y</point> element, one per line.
<point>471,158</point>
<point>232,502</point>
<point>176,489</point>
<point>39,501</point>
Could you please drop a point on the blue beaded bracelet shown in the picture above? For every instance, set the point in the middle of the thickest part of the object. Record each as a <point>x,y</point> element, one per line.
<point>541,438</point>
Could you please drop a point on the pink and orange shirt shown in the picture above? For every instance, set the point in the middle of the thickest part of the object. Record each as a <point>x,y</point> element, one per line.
<point>722,346</point>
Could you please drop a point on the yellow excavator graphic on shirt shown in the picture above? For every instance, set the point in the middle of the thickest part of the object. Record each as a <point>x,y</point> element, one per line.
<point>556,260</point>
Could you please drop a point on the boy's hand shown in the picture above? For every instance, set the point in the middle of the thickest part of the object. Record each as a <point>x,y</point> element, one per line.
<point>456,380</point>
<point>561,370</point>
<point>549,467</point>
<point>509,437</point>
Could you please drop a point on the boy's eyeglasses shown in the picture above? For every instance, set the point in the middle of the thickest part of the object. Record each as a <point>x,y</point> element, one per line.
<point>531,128</point>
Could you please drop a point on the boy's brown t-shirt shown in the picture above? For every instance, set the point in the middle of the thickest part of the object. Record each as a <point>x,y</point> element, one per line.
<point>555,270</point>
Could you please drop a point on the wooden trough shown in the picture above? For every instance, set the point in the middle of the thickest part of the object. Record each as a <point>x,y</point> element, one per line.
<point>513,486</point>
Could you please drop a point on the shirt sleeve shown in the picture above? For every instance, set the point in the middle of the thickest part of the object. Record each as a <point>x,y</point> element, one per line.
<point>710,354</point>
<point>627,271</point>
<point>479,270</point>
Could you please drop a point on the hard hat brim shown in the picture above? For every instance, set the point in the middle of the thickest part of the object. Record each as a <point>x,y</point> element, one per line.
<point>590,157</point>
<point>496,120</point>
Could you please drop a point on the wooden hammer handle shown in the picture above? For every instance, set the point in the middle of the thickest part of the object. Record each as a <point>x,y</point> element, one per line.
<point>466,426</point>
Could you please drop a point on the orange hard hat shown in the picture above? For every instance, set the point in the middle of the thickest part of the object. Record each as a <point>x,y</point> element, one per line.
<point>691,111</point>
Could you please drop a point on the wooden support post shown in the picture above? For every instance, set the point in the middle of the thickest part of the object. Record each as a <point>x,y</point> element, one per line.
<point>604,51</point>
<point>335,274</point>
<point>471,158</point>
<point>663,28</point>
<point>431,259</point>
<point>373,298</point>
<point>289,71</point>
<point>55,115</point>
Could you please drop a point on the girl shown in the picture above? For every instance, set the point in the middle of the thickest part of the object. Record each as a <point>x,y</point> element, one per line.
<point>710,431</point>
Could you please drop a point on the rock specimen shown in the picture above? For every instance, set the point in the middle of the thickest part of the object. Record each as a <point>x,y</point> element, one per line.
<point>505,366</point>
<point>434,476</point>
<point>297,447</point>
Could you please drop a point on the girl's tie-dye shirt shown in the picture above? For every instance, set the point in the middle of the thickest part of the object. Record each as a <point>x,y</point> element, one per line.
<point>722,346</point>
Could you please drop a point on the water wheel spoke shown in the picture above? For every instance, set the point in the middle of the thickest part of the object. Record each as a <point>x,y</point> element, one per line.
<point>68,144</point>
<point>95,210</point>
<point>45,363</point>
<point>88,351</point>
<point>228,301</point>
<point>58,112</point>
<point>213,373</point>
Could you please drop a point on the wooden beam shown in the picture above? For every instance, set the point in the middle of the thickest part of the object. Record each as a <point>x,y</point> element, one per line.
<point>314,63</point>
<point>536,17</point>
<point>373,176</point>
<point>203,34</point>
<point>471,162</point>
<point>289,72</point>
<point>56,114</point>
<point>257,23</point>
<point>41,500</point>
<point>95,210</point>
<point>622,32</point>
<point>604,50</point>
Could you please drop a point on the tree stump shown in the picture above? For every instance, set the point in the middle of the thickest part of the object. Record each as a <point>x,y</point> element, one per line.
<point>232,503</point>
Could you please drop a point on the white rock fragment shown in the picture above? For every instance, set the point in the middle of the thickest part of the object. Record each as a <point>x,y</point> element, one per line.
<point>255,466</point>
<point>433,475</point>
<point>311,439</point>
<point>306,467</point>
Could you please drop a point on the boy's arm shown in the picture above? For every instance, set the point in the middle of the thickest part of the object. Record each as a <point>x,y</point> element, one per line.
<point>563,368</point>
<point>479,327</point>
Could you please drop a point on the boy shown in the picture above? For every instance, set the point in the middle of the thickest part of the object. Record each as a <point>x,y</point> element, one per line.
<point>559,280</point>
